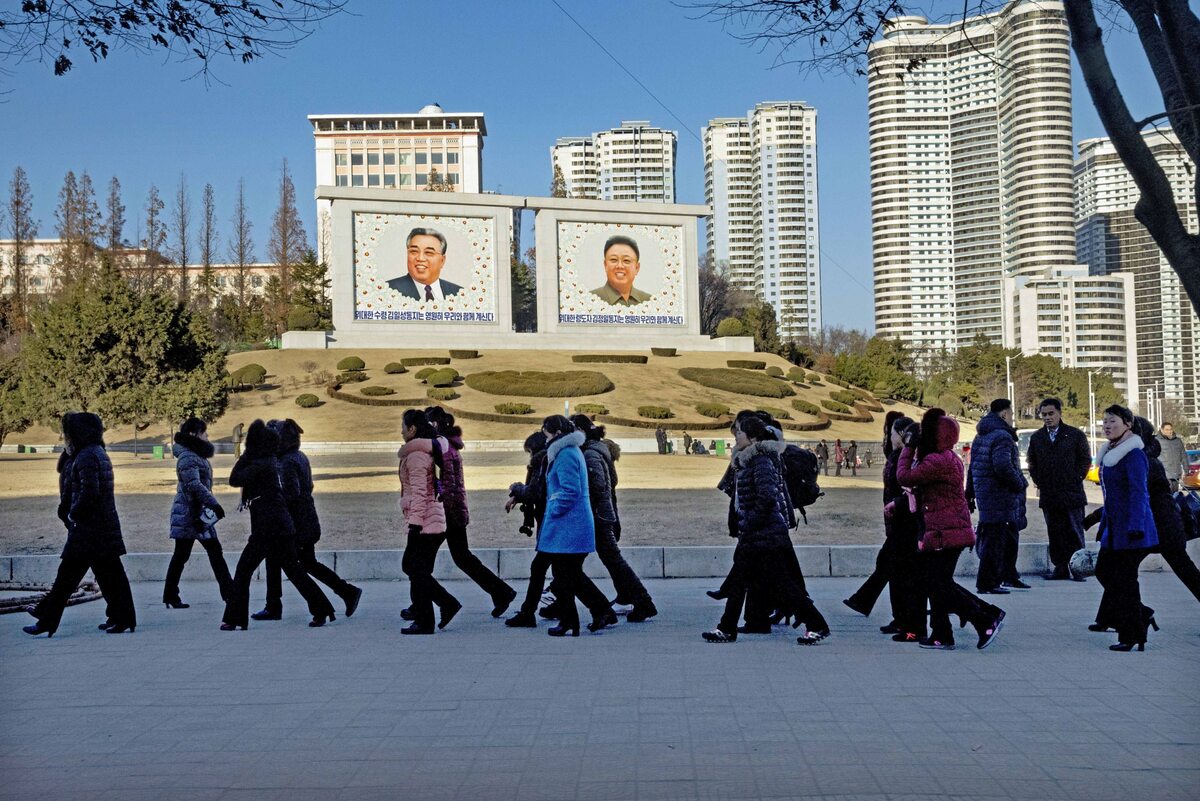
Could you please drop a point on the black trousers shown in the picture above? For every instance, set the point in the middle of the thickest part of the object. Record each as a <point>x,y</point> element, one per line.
<point>896,568</point>
<point>537,582</point>
<point>997,548</point>
<point>114,586</point>
<point>306,555</point>
<point>947,597</point>
<point>767,571</point>
<point>1064,530</point>
<point>283,549</point>
<point>1121,605</point>
<point>420,553</point>
<point>1185,569</point>
<point>467,562</point>
<point>629,587</point>
<point>216,559</point>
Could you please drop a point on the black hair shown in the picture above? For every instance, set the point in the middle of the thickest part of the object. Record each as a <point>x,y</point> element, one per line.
<point>999,405</point>
<point>1055,402</point>
<point>415,418</point>
<point>557,424</point>
<point>622,240</point>
<point>755,428</point>
<point>535,442</point>
<point>928,435</point>
<point>426,232</point>
<point>443,421</point>
<point>193,426</point>
<point>261,440</point>
<point>768,419</point>
<point>590,430</point>
<point>1120,411</point>
<point>888,421</point>
<point>900,423</point>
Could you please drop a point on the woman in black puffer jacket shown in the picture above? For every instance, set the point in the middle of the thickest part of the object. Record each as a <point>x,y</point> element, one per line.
<point>272,533</point>
<point>194,511</point>
<point>762,506</point>
<point>87,506</point>
<point>1172,541</point>
<point>296,475</point>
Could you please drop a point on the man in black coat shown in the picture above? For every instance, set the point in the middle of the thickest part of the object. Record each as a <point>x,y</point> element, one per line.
<point>1059,460</point>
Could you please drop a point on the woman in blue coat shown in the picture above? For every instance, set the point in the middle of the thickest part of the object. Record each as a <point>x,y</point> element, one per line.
<point>1127,530</point>
<point>568,533</point>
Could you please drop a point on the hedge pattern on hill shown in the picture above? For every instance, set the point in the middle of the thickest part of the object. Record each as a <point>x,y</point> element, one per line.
<point>715,410</point>
<point>464,354</point>
<point>307,401</point>
<point>417,361</point>
<point>610,358</point>
<point>248,375</point>
<point>747,364</point>
<point>334,391</point>
<point>655,412</point>
<point>591,408</point>
<point>742,382</point>
<point>375,391</point>
<point>535,384</point>
<point>807,407</point>
<point>513,408</point>
<point>442,393</point>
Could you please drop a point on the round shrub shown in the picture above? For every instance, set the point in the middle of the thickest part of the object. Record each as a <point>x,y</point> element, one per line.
<point>775,371</point>
<point>394,368</point>
<point>747,364</point>
<point>655,412</point>
<point>743,382</point>
<point>514,408</point>
<point>796,374</point>
<point>712,409</point>
<point>591,408</point>
<point>663,351</point>
<point>351,363</point>
<point>807,407</point>
<point>814,377</point>
<point>424,373</point>
<point>731,327</point>
<point>249,374</point>
<point>417,361</point>
<point>442,393</point>
<point>351,377</point>
<point>834,406</point>
<point>307,401</point>
<point>534,384</point>
<point>442,378</point>
<point>464,354</point>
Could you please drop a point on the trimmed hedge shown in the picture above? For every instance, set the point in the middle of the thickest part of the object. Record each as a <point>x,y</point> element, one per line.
<point>513,408</point>
<point>834,406</point>
<point>307,401</point>
<point>807,407</point>
<point>248,374</point>
<point>778,414</point>
<point>591,408</point>
<point>394,368</point>
<point>712,409</point>
<point>334,391</point>
<point>464,354</point>
<point>796,374</point>
<point>534,384</point>
<point>655,412</point>
<point>610,358</point>
<point>747,364</point>
<point>442,378</point>
<point>775,371</point>
<point>442,393</point>
<point>351,363</point>
<point>663,351</point>
<point>743,382</point>
<point>351,377</point>
<point>844,397</point>
<point>424,373</point>
<point>377,391</point>
<point>814,377</point>
<point>417,361</point>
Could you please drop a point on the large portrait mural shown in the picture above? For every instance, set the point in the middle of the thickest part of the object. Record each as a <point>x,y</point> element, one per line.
<point>424,268</point>
<point>610,273</point>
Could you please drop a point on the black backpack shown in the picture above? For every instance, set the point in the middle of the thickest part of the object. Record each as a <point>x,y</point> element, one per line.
<point>800,475</point>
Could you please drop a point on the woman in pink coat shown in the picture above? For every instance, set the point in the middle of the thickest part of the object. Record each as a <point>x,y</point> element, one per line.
<point>420,476</point>
<point>929,465</point>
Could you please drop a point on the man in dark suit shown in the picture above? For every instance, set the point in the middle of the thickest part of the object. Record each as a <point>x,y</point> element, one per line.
<point>1059,459</point>
<point>426,257</point>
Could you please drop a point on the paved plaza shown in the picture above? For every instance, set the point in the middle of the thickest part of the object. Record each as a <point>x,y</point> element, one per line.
<point>180,710</point>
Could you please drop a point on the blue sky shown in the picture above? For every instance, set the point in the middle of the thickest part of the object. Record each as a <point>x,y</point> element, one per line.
<point>522,63</point>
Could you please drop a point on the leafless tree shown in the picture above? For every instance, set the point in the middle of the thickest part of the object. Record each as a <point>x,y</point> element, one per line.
<point>208,245</point>
<point>241,245</point>
<point>181,219</point>
<point>150,273</point>
<point>22,229</point>
<point>288,240</point>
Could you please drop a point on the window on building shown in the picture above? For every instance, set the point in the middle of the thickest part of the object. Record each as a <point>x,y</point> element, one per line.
<point>422,179</point>
<point>372,180</point>
<point>451,158</point>
<point>389,180</point>
<point>373,159</point>
<point>256,281</point>
<point>340,159</point>
<point>389,159</point>
<point>356,159</point>
<point>343,180</point>
<point>405,180</point>
<point>356,180</point>
<point>437,158</point>
<point>404,158</point>
<point>452,178</point>
<point>422,158</point>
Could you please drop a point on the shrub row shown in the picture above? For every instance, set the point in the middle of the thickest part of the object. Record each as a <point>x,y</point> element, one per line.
<point>712,409</point>
<point>820,425</point>
<point>351,377</point>
<point>610,358</point>
<point>534,384</point>
<point>464,354</point>
<point>743,382</point>
<point>844,397</point>
<point>591,408</point>
<point>376,391</point>
<point>655,412</point>
<point>442,393</point>
<point>417,361</point>
<point>513,408</point>
<point>677,425</point>
<point>807,407</point>
<point>835,406</point>
<point>663,351</point>
<point>394,368</point>
<point>747,364</point>
<point>731,327</point>
<point>307,401</point>
<point>334,391</point>
<point>351,363</point>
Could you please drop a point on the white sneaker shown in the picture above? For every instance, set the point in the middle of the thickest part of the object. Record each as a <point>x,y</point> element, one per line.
<point>622,609</point>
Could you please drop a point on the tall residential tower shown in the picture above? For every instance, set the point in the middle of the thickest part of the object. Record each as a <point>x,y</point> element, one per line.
<point>633,162</point>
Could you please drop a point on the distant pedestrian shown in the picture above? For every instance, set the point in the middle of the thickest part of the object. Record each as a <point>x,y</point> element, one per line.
<point>238,436</point>
<point>823,457</point>
<point>195,511</point>
<point>660,435</point>
<point>687,442</point>
<point>852,457</point>
<point>1174,455</point>
<point>87,507</point>
<point>1059,460</point>
<point>839,456</point>
<point>996,486</point>
<point>868,458</point>
<point>929,465</point>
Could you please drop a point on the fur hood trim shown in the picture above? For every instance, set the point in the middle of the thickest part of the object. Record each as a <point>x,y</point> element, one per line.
<point>573,440</point>
<point>1110,456</point>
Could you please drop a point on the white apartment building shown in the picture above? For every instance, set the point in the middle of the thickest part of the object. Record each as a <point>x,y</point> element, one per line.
<point>634,162</point>
<point>1111,241</point>
<point>1084,321</point>
<point>971,158</point>
<point>760,177</point>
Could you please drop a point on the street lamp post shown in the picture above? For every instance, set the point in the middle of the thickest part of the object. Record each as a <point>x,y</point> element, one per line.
<point>1008,381</point>
<point>1091,417</point>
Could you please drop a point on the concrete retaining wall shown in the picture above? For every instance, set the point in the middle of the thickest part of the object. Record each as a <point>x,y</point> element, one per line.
<point>700,561</point>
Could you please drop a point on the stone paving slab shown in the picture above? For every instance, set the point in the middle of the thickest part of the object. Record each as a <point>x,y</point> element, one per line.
<point>354,710</point>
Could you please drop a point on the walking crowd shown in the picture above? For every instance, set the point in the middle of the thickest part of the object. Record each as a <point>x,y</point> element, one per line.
<point>568,503</point>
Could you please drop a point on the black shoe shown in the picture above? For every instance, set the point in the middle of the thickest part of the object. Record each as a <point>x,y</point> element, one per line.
<point>176,604</point>
<point>36,628</point>
<point>1058,575</point>
<point>352,599</point>
<point>716,635</point>
<point>1099,627</point>
<point>602,620</point>
<point>1016,584</point>
<point>448,613</point>
<point>549,611</point>
<point>1124,646</point>
<point>503,601</point>
<point>321,620</point>
<point>987,634</point>
<point>754,629</point>
<point>231,627</point>
<point>992,591</point>
<point>890,628</point>
<point>120,628</point>
<point>105,626</point>
<point>642,612</point>
<point>812,637</point>
<point>407,613</point>
<point>522,620</point>
<point>850,603</point>
<point>716,595</point>
<point>563,631</point>
<point>906,636</point>
<point>267,614</point>
<point>417,628</point>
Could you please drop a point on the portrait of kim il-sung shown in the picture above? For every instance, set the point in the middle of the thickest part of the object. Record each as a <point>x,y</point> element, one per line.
<point>426,248</point>
<point>622,261</point>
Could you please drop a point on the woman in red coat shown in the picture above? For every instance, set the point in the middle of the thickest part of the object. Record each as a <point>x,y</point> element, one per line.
<point>928,463</point>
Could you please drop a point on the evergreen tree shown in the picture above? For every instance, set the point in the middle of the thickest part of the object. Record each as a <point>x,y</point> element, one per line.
<point>22,229</point>
<point>558,184</point>
<point>114,217</point>
<point>15,410</point>
<point>78,226</point>
<point>311,309</point>
<point>181,220</point>
<point>150,276</point>
<point>241,252</point>
<point>524,292</point>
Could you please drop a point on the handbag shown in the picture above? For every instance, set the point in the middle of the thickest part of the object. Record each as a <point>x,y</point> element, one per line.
<point>208,518</point>
<point>1083,563</point>
<point>1188,504</point>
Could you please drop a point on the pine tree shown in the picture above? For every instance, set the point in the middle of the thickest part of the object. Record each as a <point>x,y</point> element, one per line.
<point>208,246</point>
<point>311,309</point>
<point>22,229</point>
<point>150,274</point>
<point>68,260</point>
<point>558,184</point>
<point>114,217</point>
